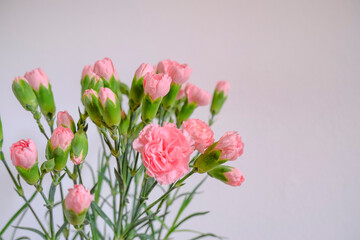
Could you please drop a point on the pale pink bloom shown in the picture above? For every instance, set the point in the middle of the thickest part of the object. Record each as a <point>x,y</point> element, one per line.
<point>196,95</point>
<point>164,66</point>
<point>37,77</point>
<point>105,94</point>
<point>61,137</point>
<point>235,177</point>
<point>223,86</point>
<point>78,199</point>
<point>88,70</point>
<point>143,70</point>
<point>24,153</point>
<point>231,146</point>
<point>64,119</point>
<point>17,79</point>
<point>201,133</point>
<point>77,160</point>
<point>89,92</point>
<point>179,73</point>
<point>105,68</point>
<point>165,152</point>
<point>181,93</point>
<point>156,85</point>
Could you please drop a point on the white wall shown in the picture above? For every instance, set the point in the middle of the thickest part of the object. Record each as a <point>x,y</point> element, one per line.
<point>294,68</point>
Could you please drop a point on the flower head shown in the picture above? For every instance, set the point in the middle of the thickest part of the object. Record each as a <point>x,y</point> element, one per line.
<point>231,146</point>
<point>36,78</point>
<point>156,85</point>
<point>62,138</point>
<point>78,199</point>
<point>201,133</point>
<point>105,68</point>
<point>223,86</point>
<point>196,95</point>
<point>24,153</point>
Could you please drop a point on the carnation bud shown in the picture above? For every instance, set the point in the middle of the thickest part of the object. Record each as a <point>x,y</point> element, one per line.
<point>39,81</point>
<point>76,204</point>
<point>91,103</point>
<point>219,97</point>
<point>79,147</point>
<point>156,86</point>
<point>109,107</point>
<point>210,159</point>
<point>64,119</point>
<point>229,175</point>
<point>25,94</point>
<point>170,98</point>
<point>24,158</point>
<point>230,145</point>
<point>48,166</point>
<point>137,86</point>
<point>87,75</point>
<point>59,146</point>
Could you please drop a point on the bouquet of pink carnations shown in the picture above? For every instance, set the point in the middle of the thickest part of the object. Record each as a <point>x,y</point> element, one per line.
<point>151,143</point>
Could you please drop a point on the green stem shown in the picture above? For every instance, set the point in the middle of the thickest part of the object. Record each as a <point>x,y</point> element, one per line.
<point>79,172</point>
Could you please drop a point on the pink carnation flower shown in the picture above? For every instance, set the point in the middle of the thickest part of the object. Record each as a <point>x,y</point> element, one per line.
<point>223,86</point>
<point>143,70</point>
<point>36,78</point>
<point>231,146</point>
<point>201,133</point>
<point>235,177</point>
<point>105,94</point>
<point>196,95</point>
<point>105,68</point>
<point>24,153</point>
<point>61,137</point>
<point>89,70</point>
<point>179,73</point>
<point>78,199</point>
<point>165,152</point>
<point>156,85</point>
<point>64,119</point>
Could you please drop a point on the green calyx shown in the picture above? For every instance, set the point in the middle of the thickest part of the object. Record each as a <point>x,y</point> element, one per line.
<point>219,173</point>
<point>25,95</point>
<point>170,98</point>
<point>111,112</point>
<point>93,109</point>
<point>59,155</point>
<point>136,94</point>
<point>79,145</point>
<point>185,112</point>
<point>31,175</point>
<point>46,101</point>
<point>73,217</point>
<point>47,166</point>
<point>218,101</point>
<point>209,160</point>
<point>149,108</point>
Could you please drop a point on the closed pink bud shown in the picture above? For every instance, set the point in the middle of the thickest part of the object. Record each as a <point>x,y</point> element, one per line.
<point>143,70</point>
<point>64,119</point>
<point>78,199</point>
<point>201,133</point>
<point>196,95</point>
<point>24,153</point>
<point>179,73</point>
<point>37,77</point>
<point>88,70</point>
<point>105,68</point>
<point>235,177</point>
<point>231,146</point>
<point>156,85</point>
<point>164,66</point>
<point>223,86</point>
<point>105,94</point>
<point>61,137</point>
<point>89,92</point>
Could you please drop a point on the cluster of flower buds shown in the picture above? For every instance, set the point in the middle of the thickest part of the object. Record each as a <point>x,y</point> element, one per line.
<point>34,90</point>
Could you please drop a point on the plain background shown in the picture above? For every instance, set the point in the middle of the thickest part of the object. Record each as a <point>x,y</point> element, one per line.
<point>294,69</point>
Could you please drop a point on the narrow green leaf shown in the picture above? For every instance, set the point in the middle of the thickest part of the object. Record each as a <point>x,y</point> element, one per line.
<point>61,229</point>
<point>22,238</point>
<point>32,230</point>
<point>191,216</point>
<point>102,215</point>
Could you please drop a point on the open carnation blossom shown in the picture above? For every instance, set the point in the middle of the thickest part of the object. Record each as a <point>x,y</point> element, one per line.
<point>151,142</point>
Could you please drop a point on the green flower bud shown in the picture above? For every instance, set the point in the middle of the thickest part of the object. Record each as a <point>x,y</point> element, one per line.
<point>91,103</point>
<point>109,107</point>
<point>170,98</point>
<point>136,93</point>
<point>124,124</point>
<point>229,175</point>
<point>219,97</point>
<point>25,94</point>
<point>79,147</point>
<point>48,166</point>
